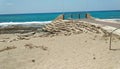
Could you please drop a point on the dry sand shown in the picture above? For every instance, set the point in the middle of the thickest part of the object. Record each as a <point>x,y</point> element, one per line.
<point>81,51</point>
<point>84,50</point>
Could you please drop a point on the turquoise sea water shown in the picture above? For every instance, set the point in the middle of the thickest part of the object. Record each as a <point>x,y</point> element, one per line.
<point>46,17</point>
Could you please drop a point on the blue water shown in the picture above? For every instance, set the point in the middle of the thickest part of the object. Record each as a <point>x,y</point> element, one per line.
<point>40,17</point>
<point>28,17</point>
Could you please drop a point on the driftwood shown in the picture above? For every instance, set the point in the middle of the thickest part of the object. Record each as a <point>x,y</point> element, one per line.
<point>8,48</point>
<point>69,27</point>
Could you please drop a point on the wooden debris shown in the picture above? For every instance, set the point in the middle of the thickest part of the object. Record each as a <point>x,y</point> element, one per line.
<point>68,27</point>
<point>8,48</point>
<point>31,46</point>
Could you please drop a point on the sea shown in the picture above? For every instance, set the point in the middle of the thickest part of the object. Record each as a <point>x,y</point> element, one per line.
<point>43,18</point>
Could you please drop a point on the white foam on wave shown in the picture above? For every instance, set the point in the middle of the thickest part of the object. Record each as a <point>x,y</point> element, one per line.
<point>23,23</point>
<point>109,20</point>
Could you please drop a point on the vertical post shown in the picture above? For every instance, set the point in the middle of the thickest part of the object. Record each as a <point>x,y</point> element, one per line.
<point>63,16</point>
<point>86,15</point>
<point>63,12</point>
<point>71,16</point>
<point>110,45</point>
<point>110,41</point>
<point>79,16</point>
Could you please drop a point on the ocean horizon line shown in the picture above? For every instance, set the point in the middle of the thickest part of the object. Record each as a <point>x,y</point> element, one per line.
<point>59,12</point>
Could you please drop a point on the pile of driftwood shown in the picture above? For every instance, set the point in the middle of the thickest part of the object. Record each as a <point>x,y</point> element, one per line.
<point>68,27</point>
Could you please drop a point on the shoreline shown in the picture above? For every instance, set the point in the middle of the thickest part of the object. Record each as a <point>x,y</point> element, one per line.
<point>30,27</point>
<point>24,23</point>
<point>21,28</point>
<point>117,21</point>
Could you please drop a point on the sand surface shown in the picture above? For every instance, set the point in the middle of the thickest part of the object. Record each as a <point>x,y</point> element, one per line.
<point>116,25</point>
<point>80,51</point>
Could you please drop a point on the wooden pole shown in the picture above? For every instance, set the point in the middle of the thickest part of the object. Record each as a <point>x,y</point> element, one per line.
<point>79,16</point>
<point>110,41</point>
<point>71,16</point>
<point>110,45</point>
<point>63,16</point>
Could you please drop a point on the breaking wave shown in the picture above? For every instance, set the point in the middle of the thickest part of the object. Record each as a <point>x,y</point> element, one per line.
<point>24,23</point>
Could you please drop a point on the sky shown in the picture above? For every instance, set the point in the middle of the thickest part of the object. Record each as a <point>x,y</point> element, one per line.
<point>47,6</point>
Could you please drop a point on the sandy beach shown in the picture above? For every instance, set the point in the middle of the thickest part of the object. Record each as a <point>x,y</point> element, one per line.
<point>78,50</point>
<point>59,34</point>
